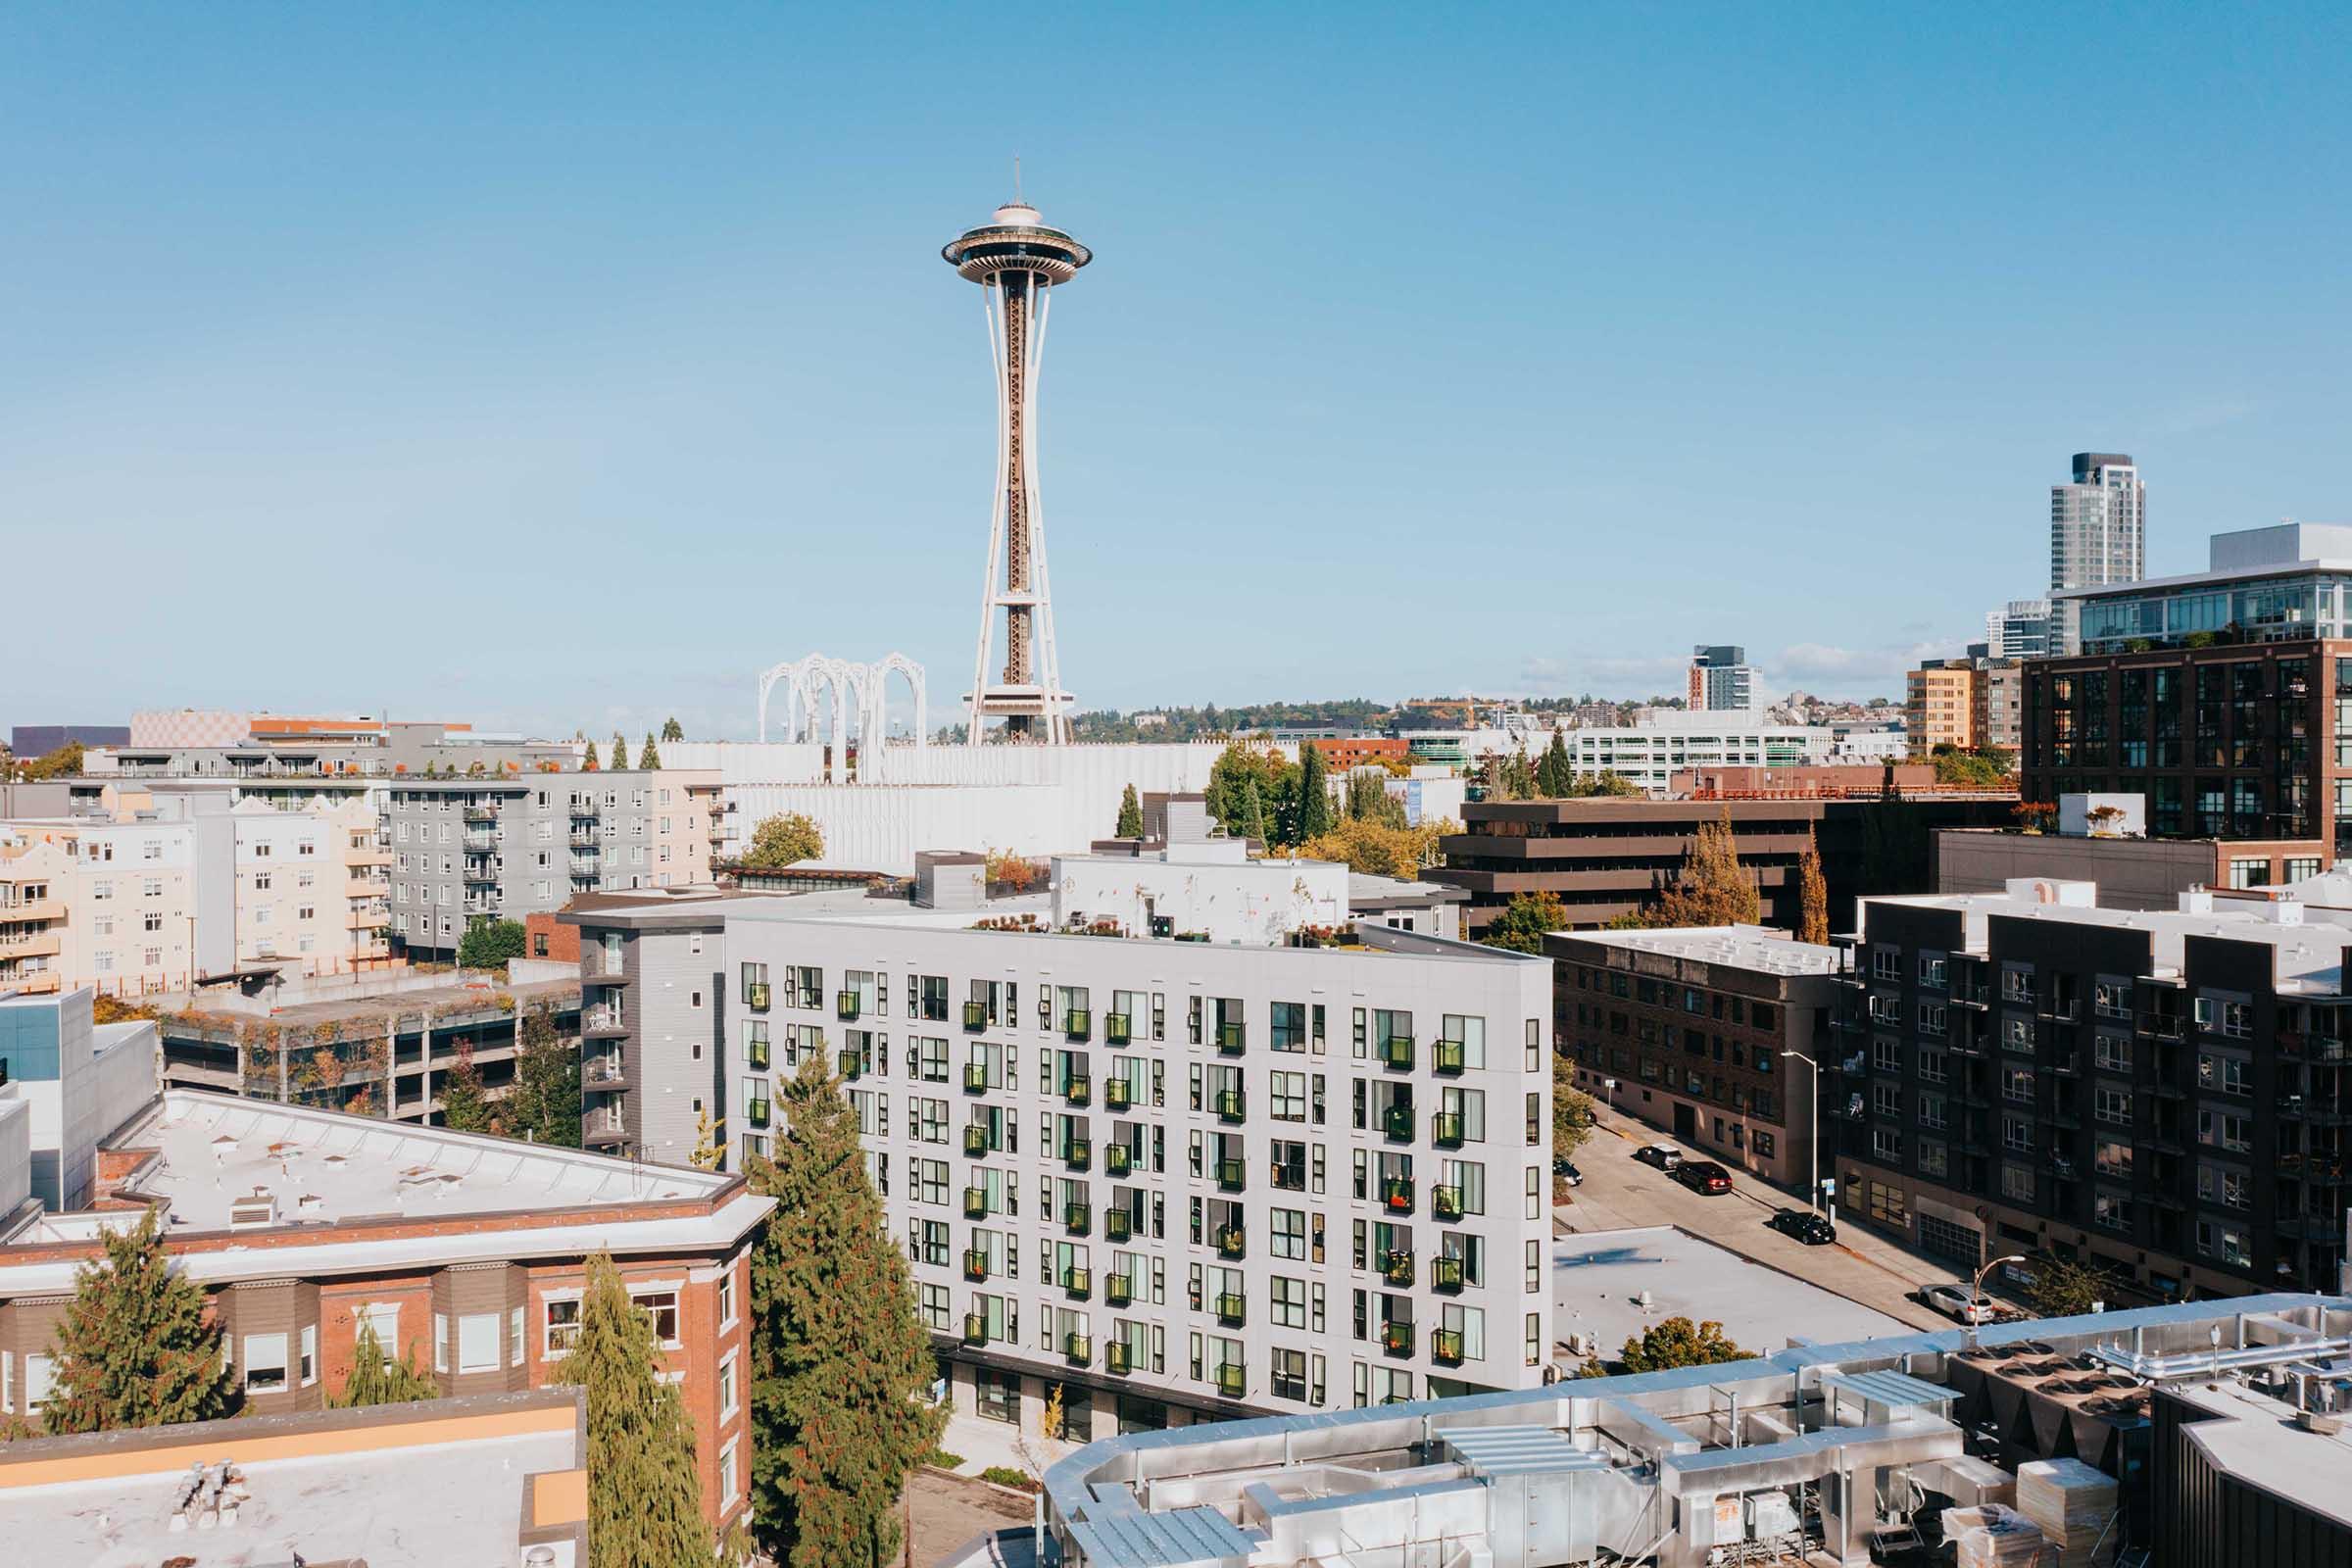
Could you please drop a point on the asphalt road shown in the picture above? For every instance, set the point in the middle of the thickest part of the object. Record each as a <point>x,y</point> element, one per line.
<point>1620,1192</point>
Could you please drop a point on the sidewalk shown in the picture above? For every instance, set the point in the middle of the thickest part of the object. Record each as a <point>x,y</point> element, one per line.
<point>983,1443</point>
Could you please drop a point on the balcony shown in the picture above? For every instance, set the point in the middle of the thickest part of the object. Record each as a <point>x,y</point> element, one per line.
<point>1233,1380</point>
<point>1448,1057</point>
<point>975,1202</point>
<point>601,1023</point>
<point>1446,1347</point>
<point>1117,1225</point>
<point>1114,1356</point>
<point>604,1074</point>
<point>1233,1039</point>
<point>1116,1160</point>
<point>975,1078</point>
<point>1232,1175</point>
<point>1078,1153</point>
<point>1445,1202</point>
<point>1116,1291</point>
<point>1396,1338</point>
<point>1396,1267</point>
<point>1078,1023</point>
<point>975,1142</point>
<point>1446,1129</point>
<point>755,1110</point>
<point>1232,1241</point>
<point>583,841</point>
<point>754,996</point>
<point>852,1064</point>
<point>756,1054</point>
<point>1445,1274</point>
<point>478,843</point>
<point>1078,1218</point>
<point>975,1264</point>
<point>975,1329</point>
<point>1079,1283</point>
<point>1114,1094</point>
<point>1079,1347</point>
<point>480,815</point>
<point>1232,1310</point>
<point>1397,1196</point>
<point>1231,1105</point>
<point>847,1005</point>
<point>606,1137</point>
<point>1114,1028</point>
<point>1078,1091</point>
<point>1398,1122</point>
<point>481,872</point>
<point>1397,1052</point>
<point>976,1015</point>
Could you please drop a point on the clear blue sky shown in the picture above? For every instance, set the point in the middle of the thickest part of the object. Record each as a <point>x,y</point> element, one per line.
<point>569,365</point>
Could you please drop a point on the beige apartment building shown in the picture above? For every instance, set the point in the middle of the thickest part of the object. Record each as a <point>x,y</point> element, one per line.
<point>1968,703</point>
<point>314,888</point>
<point>34,882</point>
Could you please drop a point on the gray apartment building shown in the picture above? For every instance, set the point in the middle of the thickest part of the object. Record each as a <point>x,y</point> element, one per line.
<point>1183,1137</point>
<point>501,847</point>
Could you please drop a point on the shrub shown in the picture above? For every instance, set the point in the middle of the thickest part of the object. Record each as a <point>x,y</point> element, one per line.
<point>1003,1474</point>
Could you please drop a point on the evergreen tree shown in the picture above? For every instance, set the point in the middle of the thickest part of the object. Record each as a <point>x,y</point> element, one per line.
<point>672,730</point>
<point>588,763</point>
<point>1315,793</point>
<point>645,1497</point>
<point>1674,1342</point>
<point>1250,822</point>
<point>545,1102</point>
<point>648,758</point>
<point>1812,896</point>
<point>620,753</point>
<point>1712,888</point>
<point>1521,925</point>
<point>1369,800</point>
<point>134,1348</point>
<point>1131,816</point>
<point>1555,776</point>
<point>1515,777</point>
<point>463,1106</point>
<point>490,944</point>
<point>840,1361</point>
<point>376,1379</point>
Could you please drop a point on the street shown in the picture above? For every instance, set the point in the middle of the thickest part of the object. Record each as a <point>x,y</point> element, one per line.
<point>1620,1193</point>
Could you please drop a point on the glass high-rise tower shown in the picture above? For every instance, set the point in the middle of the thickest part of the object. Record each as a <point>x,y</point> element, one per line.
<point>2098,535</point>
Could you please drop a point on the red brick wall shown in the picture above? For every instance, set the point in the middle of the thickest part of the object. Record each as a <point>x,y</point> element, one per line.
<point>545,937</point>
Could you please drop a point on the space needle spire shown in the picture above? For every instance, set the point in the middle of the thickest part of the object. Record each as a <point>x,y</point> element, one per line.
<point>1017,260</point>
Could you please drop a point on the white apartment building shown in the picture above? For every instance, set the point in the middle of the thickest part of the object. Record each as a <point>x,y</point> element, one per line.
<point>1147,1149</point>
<point>313,887</point>
<point>1649,754</point>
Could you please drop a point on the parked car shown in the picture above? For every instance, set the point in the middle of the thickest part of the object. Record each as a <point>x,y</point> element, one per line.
<point>1703,1176</point>
<point>1808,1227</point>
<point>1565,1169</point>
<point>1954,1301</point>
<point>1663,1155</point>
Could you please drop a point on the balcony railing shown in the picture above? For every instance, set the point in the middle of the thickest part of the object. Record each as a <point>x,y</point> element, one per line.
<point>975,1264</point>
<point>754,996</point>
<point>479,813</point>
<point>1445,1345</point>
<point>1448,1056</point>
<point>1116,1160</point>
<point>1078,1091</point>
<point>975,1078</point>
<point>1078,1282</point>
<point>847,1005</point>
<point>1232,1310</point>
<point>1446,1129</point>
<point>754,1112</point>
<point>975,1202</point>
<point>1232,1105</point>
<point>1078,1153</point>
<point>1398,1195</point>
<point>975,1329</point>
<point>1078,1023</point>
<point>1114,1094</point>
<point>601,1021</point>
<point>1396,1338</point>
<point>1116,1028</point>
<point>1232,1175</point>
<point>1231,1039</point>
<point>1445,1274</point>
<point>756,1054</point>
<point>1118,1224</point>
<point>1116,1291</point>
<point>1445,1202</point>
<point>852,1064</point>
<point>1077,1218</point>
<point>1232,1241</point>
<point>1114,1356</point>
<point>1233,1380</point>
<point>1396,1052</point>
<point>975,1141</point>
<point>1079,1347</point>
<point>976,1015</point>
<point>1398,1122</point>
<point>1397,1268</point>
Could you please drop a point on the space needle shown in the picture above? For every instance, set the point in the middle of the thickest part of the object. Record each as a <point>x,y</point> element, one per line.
<point>1017,260</point>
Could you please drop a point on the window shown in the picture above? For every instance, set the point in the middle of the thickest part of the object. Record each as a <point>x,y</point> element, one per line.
<point>441,1340</point>
<point>265,1362</point>
<point>309,1354</point>
<point>727,1387</point>
<point>726,1300</point>
<point>384,1319</point>
<point>563,1326</point>
<point>514,1337</point>
<point>662,1307</point>
<point>39,1375</point>
<point>477,1343</point>
<point>2112,1106</point>
<point>729,1481</point>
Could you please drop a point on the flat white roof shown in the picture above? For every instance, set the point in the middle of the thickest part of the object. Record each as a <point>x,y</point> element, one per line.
<point>1596,1277</point>
<point>1742,947</point>
<point>2256,1442</point>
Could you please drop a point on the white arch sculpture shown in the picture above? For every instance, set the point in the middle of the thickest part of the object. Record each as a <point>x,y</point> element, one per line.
<point>862,689</point>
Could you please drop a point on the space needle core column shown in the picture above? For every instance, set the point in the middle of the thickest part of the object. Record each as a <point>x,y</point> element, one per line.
<point>1017,260</point>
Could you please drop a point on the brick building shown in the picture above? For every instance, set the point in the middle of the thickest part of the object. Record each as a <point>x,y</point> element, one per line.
<point>467,1253</point>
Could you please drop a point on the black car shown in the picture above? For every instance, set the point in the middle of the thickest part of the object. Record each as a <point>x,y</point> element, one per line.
<point>1805,1225</point>
<point>1565,1169</point>
<point>1703,1176</point>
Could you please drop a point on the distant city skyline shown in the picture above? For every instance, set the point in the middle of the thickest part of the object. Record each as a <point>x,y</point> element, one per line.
<point>570,371</point>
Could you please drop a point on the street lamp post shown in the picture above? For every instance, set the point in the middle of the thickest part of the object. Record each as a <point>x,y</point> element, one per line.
<point>1976,1293</point>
